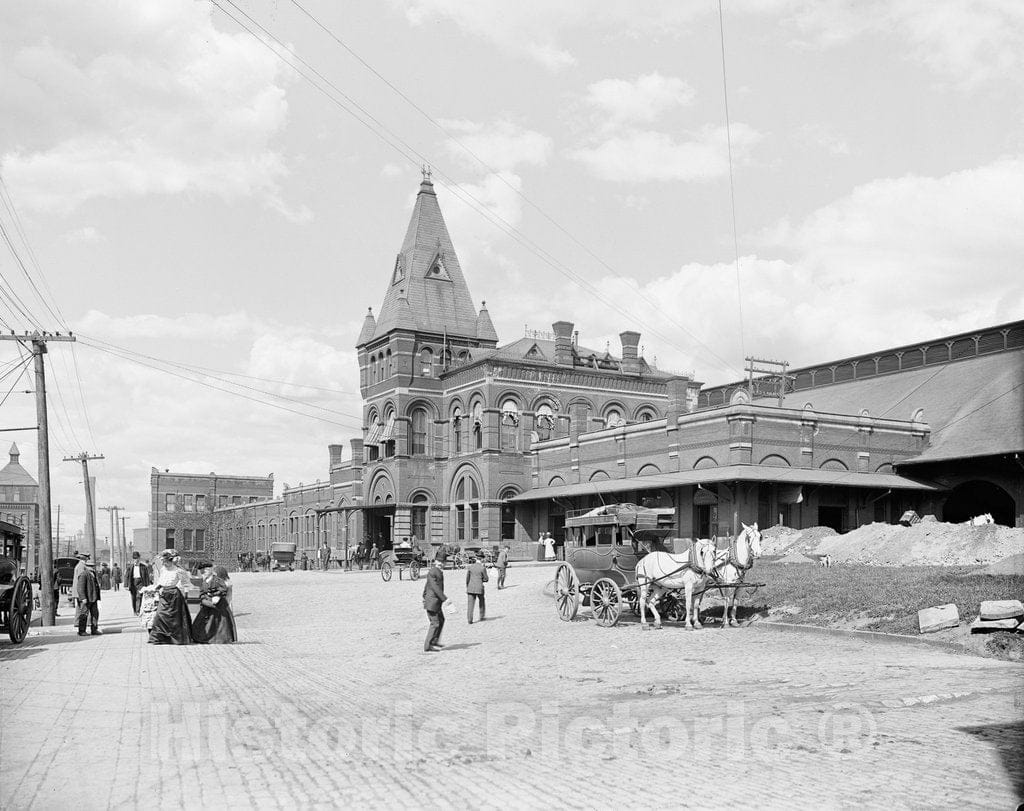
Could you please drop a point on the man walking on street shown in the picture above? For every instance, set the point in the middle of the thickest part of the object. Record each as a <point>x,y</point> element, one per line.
<point>502,564</point>
<point>136,576</point>
<point>476,576</point>
<point>87,598</point>
<point>115,577</point>
<point>434,600</point>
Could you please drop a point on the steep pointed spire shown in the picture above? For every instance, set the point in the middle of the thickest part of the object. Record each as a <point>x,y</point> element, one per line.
<point>369,327</point>
<point>484,328</point>
<point>13,473</point>
<point>428,291</point>
<point>15,453</point>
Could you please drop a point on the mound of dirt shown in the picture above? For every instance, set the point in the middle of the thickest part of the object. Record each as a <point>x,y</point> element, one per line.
<point>1011,565</point>
<point>929,544</point>
<point>779,540</point>
<point>796,557</point>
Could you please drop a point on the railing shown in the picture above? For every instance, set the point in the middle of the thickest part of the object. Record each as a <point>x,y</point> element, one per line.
<point>539,335</point>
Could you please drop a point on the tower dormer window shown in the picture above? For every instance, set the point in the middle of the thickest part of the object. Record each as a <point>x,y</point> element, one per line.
<point>437,270</point>
<point>427,362</point>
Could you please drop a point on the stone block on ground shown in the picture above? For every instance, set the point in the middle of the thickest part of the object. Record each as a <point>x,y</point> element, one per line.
<point>1001,609</point>
<point>982,626</point>
<point>938,617</point>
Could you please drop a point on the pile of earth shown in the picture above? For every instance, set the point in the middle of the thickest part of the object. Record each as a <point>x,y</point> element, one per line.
<point>1011,565</point>
<point>792,543</point>
<point>928,543</point>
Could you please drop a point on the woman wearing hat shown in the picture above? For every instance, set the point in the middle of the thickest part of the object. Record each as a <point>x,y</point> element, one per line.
<point>172,623</point>
<point>215,622</point>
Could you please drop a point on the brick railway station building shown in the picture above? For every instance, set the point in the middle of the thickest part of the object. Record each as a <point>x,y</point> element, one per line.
<point>470,442</point>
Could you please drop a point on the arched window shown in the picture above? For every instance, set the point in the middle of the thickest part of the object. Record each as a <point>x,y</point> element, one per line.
<point>508,517</point>
<point>509,426</point>
<point>545,421</point>
<point>467,509</point>
<point>389,367</point>
<point>426,362</point>
<point>308,538</point>
<point>478,425</point>
<point>613,419</point>
<point>418,435</point>
<point>457,429</point>
<point>646,415</point>
<point>373,368</point>
<point>419,518</point>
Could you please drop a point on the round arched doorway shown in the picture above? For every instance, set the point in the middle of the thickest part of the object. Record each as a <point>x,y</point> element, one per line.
<point>976,497</point>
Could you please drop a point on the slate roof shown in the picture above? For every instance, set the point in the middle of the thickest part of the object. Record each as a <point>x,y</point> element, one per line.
<point>974,407</point>
<point>427,291</point>
<point>14,474</point>
<point>542,350</point>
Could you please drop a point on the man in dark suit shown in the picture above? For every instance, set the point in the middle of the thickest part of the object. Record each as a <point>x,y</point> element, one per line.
<point>87,598</point>
<point>476,576</point>
<point>137,575</point>
<point>434,600</point>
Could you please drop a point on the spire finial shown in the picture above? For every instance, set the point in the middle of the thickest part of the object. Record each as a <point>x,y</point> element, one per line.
<point>425,169</point>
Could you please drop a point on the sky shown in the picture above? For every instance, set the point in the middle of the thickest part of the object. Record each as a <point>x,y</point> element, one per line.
<point>227,193</point>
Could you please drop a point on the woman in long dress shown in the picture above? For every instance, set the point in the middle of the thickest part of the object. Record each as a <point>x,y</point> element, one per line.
<point>172,623</point>
<point>549,547</point>
<point>215,622</point>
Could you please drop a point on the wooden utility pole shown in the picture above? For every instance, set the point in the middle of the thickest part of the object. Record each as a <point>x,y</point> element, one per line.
<point>38,342</point>
<point>114,545</point>
<point>124,543</point>
<point>90,510</point>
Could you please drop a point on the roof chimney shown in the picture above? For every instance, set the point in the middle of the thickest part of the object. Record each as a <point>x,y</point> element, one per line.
<point>563,342</point>
<point>335,454</point>
<point>630,342</point>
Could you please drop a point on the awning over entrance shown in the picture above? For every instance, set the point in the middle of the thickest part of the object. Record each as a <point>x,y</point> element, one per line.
<point>730,473</point>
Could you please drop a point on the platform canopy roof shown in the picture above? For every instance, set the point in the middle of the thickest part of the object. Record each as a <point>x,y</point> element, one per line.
<point>730,473</point>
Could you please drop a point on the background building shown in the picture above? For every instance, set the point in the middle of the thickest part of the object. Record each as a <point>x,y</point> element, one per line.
<point>19,505</point>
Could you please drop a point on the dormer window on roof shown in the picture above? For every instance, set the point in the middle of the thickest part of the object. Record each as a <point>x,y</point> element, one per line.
<point>399,274</point>
<point>437,270</point>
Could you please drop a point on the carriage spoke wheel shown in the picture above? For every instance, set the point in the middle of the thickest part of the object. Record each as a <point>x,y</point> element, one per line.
<point>567,592</point>
<point>19,610</point>
<point>385,572</point>
<point>414,571</point>
<point>606,602</point>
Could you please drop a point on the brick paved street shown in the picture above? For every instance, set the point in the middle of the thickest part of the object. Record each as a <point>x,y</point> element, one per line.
<point>328,700</point>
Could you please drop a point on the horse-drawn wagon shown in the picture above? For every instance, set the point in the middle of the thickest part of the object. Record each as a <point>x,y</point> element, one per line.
<point>615,556</point>
<point>15,588</point>
<point>282,555</point>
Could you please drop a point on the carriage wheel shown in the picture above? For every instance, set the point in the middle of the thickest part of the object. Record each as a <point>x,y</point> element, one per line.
<point>414,570</point>
<point>385,571</point>
<point>567,592</point>
<point>19,610</point>
<point>606,602</point>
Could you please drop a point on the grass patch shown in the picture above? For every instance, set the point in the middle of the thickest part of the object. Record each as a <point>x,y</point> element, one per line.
<point>878,598</point>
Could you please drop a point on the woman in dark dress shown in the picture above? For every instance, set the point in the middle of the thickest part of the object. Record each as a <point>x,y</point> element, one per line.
<point>172,622</point>
<point>215,622</point>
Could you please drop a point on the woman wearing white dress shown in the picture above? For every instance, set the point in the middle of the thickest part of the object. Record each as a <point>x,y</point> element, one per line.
<point>549,547</point>
<point>172,623</point>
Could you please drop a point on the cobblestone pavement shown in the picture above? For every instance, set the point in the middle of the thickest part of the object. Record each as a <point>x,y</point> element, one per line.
<point>328,700</point>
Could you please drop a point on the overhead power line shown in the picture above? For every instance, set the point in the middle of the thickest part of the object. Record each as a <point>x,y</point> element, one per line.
<point>415,157</point>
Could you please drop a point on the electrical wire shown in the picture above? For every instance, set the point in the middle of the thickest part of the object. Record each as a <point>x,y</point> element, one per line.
<point>415,157</point>
<point>127,357</point>
<point>24,366</point>
<point>732,188</point>
<point>518,192</point>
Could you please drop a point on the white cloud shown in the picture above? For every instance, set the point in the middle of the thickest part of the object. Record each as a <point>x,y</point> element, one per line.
<point>534,28</point>
<point>966,41</point>
<point>495,194</point>
<point>120,100</point>
<point>895,261</point>
<point>391,171</point>
<point>619,101</point>
<point>501,144</point>
<point>86,235</point>
<point>637,156</point>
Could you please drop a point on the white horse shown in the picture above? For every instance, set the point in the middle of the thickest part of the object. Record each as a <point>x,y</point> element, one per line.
<point>731,565</point>
<point>660,573</point>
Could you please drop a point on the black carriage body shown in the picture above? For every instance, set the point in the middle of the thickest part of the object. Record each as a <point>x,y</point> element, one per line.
<point>609,541</point>
<point>15,587</point>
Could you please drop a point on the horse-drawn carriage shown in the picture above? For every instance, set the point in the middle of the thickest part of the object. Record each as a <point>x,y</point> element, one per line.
<point>15,588</point>
<point>282,555</point>
<point>402,559</point>
<point>615,556</point>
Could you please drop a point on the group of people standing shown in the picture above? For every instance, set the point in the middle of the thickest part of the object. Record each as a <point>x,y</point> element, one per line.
<point>435,599</point>
<point>173,623</point>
